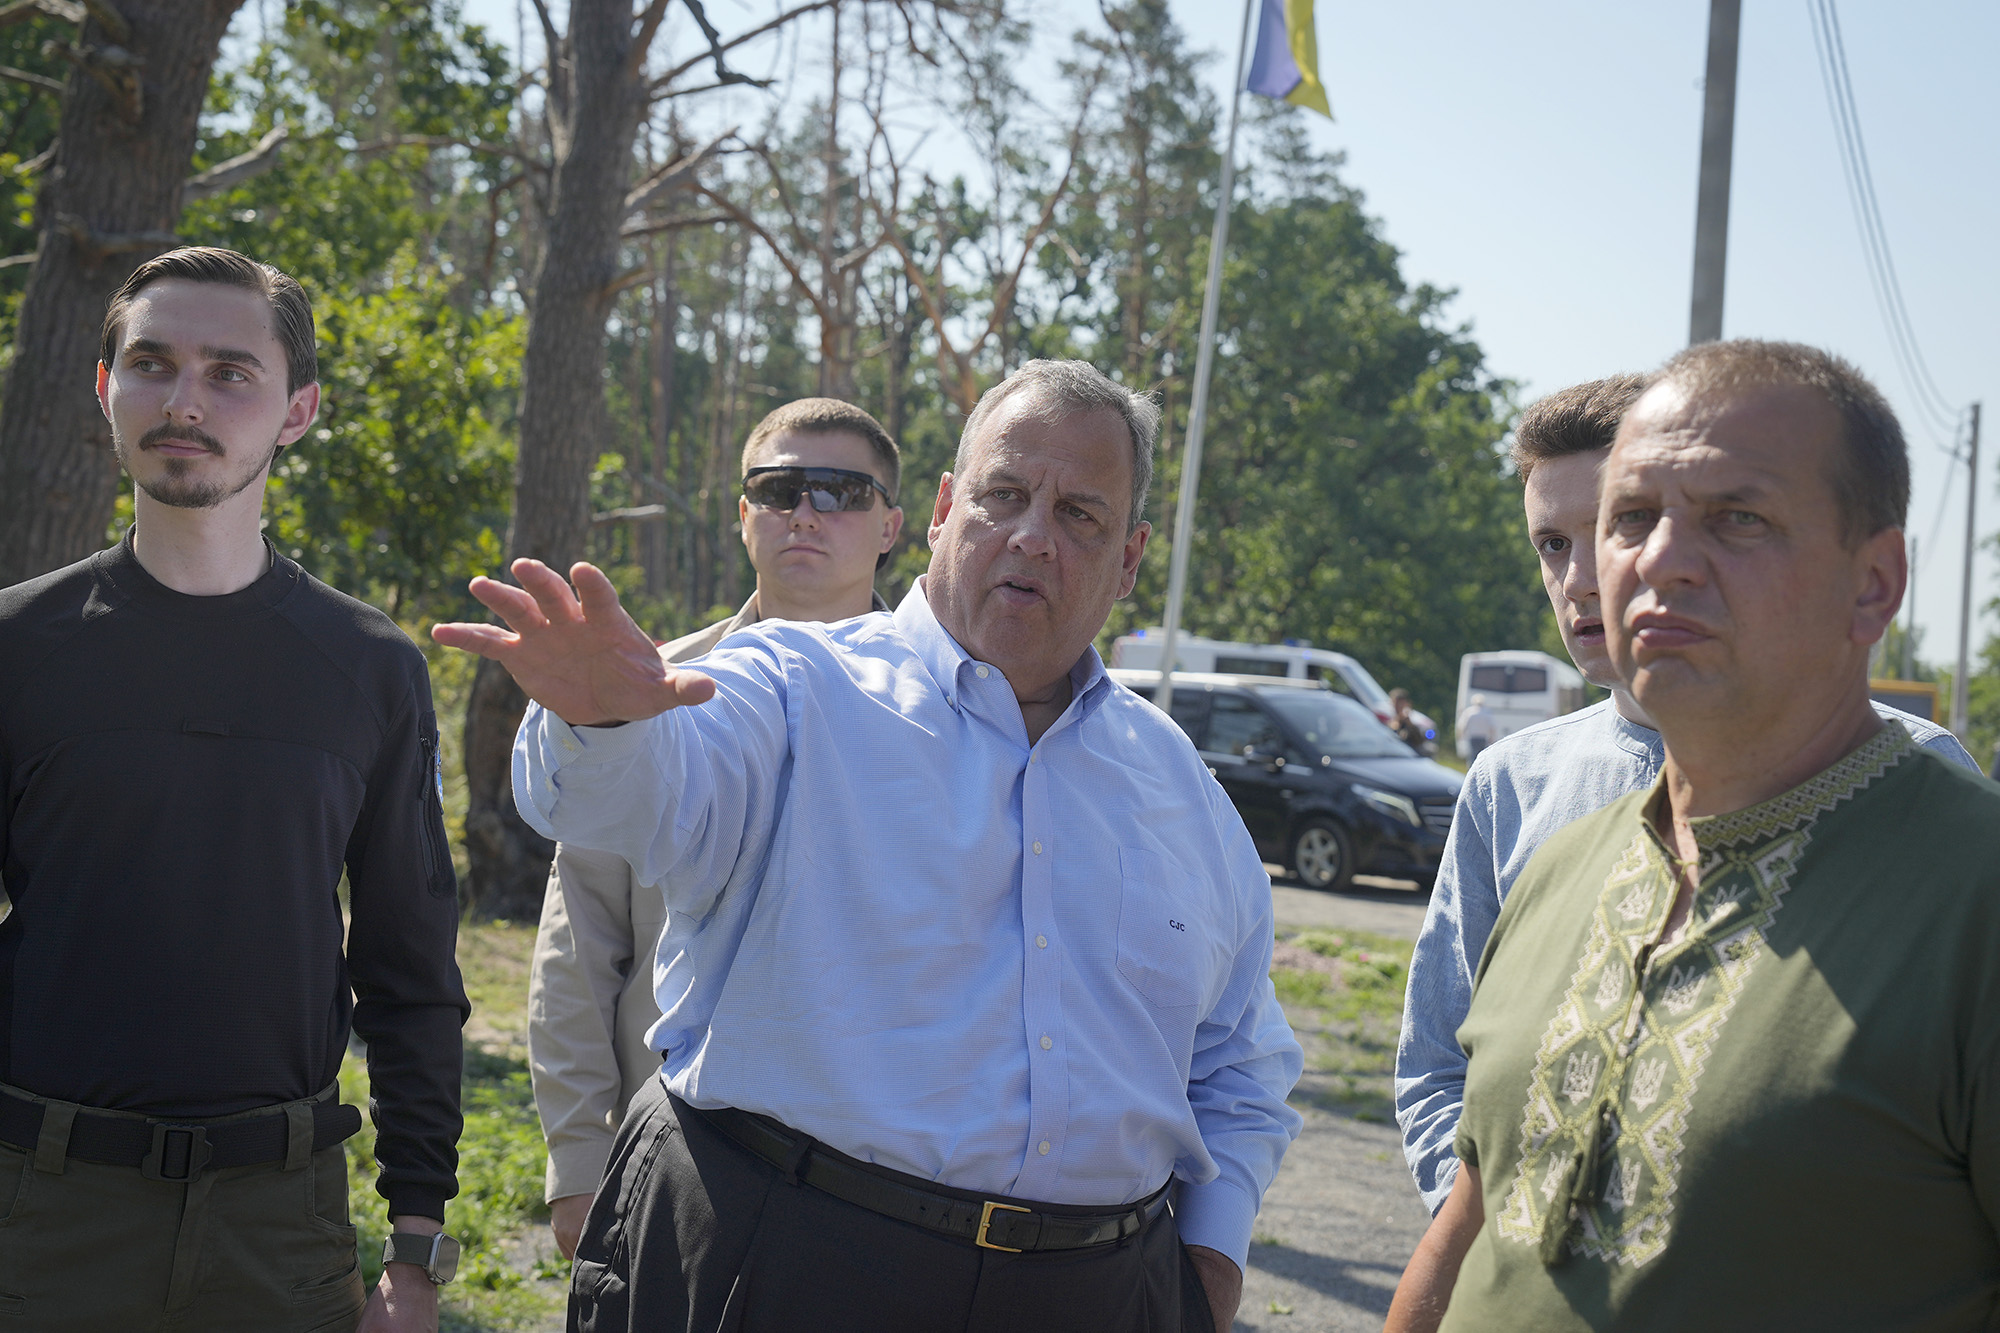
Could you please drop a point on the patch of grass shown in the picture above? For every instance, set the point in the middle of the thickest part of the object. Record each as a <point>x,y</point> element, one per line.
<point>1347,1013</point>
<point>505,1281</point>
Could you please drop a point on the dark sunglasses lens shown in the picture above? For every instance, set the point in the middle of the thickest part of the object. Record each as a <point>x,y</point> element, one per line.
<point>775,490</point>
<point>829,490</point>
<point>839,493</point>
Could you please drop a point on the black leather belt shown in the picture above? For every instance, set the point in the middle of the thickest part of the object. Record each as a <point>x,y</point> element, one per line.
<point>176,1150</point>
<point>991,1224</point>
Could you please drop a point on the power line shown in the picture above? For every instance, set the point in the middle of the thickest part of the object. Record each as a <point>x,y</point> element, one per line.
<point>1938,410</point>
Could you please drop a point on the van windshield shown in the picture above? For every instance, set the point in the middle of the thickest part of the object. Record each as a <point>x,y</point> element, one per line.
<point>1335,725</point>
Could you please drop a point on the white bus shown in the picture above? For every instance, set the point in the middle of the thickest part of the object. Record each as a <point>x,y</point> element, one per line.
<point>1520,689</point>
<point>1289,661</point>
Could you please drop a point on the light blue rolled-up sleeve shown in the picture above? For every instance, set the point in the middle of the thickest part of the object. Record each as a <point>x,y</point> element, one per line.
<point>1246,1062</point>
<point>1430,1064</point>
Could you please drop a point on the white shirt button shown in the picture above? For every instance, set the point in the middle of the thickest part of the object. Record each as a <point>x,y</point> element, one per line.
<point>1038,849</point>
<point>981,672</point>
<point>1046,1043</point>
<point>1043,1147</point>
<point>1041,941</point>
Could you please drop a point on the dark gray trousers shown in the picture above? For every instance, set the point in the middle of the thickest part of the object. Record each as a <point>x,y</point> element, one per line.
<point>692,1232</point>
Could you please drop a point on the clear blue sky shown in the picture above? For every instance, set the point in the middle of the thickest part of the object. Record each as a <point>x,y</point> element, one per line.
<point>1540,158</point>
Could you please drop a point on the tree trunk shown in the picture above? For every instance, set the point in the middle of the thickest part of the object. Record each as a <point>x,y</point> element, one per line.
<point>110,200</point>
<point>666,303</point>
<point>593,121</point>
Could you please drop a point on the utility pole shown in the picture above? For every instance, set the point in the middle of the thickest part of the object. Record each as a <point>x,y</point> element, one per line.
<point>1960,709</point>
<point>1910,620</point>
<point>1198,409</point>
<point>1718,137</point>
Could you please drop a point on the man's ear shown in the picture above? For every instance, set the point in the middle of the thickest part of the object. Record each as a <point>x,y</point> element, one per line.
<point>941,509</point>
<point>104,390</point>
<point>1135,546</point>
<point>1882,573</point>
<point>299,415</point>
<point>892,527</point>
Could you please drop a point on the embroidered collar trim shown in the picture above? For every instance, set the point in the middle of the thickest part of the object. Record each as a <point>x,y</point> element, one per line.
<point>1810,799</point>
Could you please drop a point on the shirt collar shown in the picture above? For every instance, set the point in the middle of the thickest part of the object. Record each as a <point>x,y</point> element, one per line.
<point>1803,804</point>
<point>945,659</point>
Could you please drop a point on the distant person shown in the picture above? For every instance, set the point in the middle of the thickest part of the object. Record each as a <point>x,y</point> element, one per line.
<point>818,515</point>
<point>1534,782</point>
<point>967,969</point>
<point>1476,727</point>
<point>1408,730</point>
<point>198,739</point>
<point>1732,1050</point>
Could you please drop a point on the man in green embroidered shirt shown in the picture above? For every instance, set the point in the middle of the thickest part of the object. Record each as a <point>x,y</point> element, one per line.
<point>1735,1042</point>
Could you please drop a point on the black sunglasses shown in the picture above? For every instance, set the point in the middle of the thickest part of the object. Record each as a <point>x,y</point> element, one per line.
<point>831,489</point>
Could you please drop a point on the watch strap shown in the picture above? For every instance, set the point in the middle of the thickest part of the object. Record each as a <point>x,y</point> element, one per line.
<point>437,1255</point>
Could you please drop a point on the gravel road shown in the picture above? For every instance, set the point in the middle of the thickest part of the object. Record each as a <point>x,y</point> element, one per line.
<point>1342,1217</point>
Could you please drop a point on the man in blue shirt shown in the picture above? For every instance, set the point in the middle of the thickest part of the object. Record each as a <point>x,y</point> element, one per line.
<point>967,955</point>
<point>1534,782</point>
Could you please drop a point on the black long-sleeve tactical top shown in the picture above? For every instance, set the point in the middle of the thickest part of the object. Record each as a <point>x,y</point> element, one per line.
<point>184,779</point>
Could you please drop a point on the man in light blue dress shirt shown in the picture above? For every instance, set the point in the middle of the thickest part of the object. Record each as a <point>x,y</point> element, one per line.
<point>1534,782</point>
<point>967,955</point>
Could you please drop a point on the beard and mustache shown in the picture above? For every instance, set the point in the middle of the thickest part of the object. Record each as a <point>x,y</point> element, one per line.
<point>177,487</point>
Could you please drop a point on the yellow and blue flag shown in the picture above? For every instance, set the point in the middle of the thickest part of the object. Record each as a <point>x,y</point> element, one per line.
<point>1285,64</point>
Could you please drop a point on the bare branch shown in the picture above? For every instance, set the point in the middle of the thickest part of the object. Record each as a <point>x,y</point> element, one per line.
<point>383,145</point>
<point>14,261</point>
<point>32,80</point>
<point>39,160</point>
<point>642,41</point>
<point>675,174</point>
<point>636,514</point>
<point>717,49</point>
<point>69,11</point>
<point>756,229</point>
<point>244,166</point>
<point>634,230</point>
<point>550,36</point>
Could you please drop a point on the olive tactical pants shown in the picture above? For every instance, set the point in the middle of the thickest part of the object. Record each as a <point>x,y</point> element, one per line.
<point>88,1248</point>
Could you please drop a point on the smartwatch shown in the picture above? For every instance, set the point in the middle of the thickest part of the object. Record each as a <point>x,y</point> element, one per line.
<point>436,1255</point>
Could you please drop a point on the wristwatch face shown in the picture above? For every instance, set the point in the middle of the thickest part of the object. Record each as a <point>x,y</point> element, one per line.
<point>444,1264</point>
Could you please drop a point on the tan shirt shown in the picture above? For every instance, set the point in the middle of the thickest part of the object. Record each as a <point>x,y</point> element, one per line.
<point>590,990</point>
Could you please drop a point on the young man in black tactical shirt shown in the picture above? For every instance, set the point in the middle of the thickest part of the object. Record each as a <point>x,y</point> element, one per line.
<point>196,739</point>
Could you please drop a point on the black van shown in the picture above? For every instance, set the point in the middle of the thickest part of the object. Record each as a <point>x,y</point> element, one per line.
<point>1325,789</point>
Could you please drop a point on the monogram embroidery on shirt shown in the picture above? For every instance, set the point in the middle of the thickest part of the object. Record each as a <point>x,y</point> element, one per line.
<point>1623,1077</point>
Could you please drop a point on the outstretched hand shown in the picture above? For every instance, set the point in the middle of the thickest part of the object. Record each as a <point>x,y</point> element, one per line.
<point>577,654</point>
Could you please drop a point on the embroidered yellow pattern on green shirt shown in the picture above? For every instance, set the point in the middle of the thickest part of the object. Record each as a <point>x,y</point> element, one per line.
<point>1617,1071</point>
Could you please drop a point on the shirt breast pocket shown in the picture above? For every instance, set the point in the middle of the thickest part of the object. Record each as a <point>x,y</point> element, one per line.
<point>1163,944</point>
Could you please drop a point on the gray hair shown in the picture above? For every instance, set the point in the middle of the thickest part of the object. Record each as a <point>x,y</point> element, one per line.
<point>1064,389</point>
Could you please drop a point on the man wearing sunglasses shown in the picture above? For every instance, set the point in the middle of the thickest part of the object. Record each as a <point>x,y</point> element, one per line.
<point>966,977</point>
<point>819,516</point>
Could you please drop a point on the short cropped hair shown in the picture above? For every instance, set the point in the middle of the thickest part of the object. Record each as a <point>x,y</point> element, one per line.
<point>291,308</point>
<point>1064,389</point>
<point>1581,419</point>
<point>829,416</point>
<point>1871,477</point>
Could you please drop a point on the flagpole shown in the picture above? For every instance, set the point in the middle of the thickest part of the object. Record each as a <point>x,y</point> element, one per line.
<point>1198,408</point>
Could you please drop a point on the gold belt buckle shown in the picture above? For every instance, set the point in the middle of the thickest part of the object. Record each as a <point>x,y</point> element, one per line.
<point>986,1220</point>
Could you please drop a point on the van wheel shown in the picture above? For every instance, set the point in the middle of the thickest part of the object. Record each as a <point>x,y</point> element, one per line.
<point>1320,858</point>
